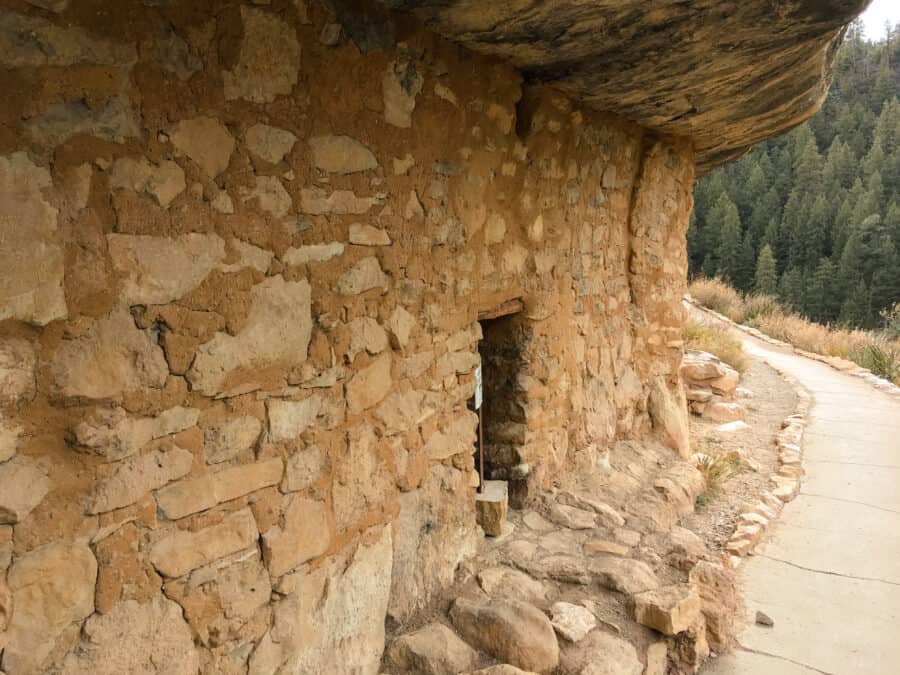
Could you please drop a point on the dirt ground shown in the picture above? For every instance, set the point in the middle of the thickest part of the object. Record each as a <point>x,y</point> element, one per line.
<point>772,400</point>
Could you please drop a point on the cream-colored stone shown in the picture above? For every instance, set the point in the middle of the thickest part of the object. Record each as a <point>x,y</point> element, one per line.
<point>227,440</point>
<point>163,181</point>
<point>192,495</point>
<point>113,435</point>
<point>341,154</point>
<point>669,609</point>
<point>457,437</point>
<point>401,325</point>
<point>277,332</point>
<point>361,481</point>
<point>9,439</point>
<point>17,371</point>
<point>304,535</point>
<point>365,275</point>
<point>368,235</point>
<point>23,485</point>
<point>52,588</point>
<point>317,201</point>
<point>370,385</point>
<point>400,85</point>
<point>509,583</point>
<point>668,410</point>
<point>623,574</point>
<point>572,622</point>
<point>304,468</point>
<point>312,253</point>
<point>432,650</point>
<point>366,335</point>
<point>134,477</point>
<point>402,412</point>
<point>182,551</point>
<point>269,59</point>
<point>270,144</point>
<point>31,255</point>
<point>269,195</point>
<point>206,141</point>
<point>491,507</point>
<point>289,419</point>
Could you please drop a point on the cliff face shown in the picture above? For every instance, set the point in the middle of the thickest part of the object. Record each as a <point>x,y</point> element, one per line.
<point>725,73</point>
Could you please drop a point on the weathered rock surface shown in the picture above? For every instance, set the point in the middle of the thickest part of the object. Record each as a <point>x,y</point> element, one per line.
<point>491,507</point>
<point>112,120</point>
<point>143,638</point>
<point>341,154</point>
<point>134,477</point>
<point>52,588</point>
<point>269,143</point>
<point>669,609</point>
<point>572,622</point>
<point>603,654</point>
<point>623,574</point>
<point>112,358</point>
<point>277,332</point>
<point>163,181</point>
<point>571,517</point>
<point>268,194</point>
<point>361,481</point>
<point>269,59</point>
<point>25,484</point>
<point>303,536</point>
<point>509,630</point>
<point>432,650</point>
<point>9,439</point>
<point>304,468</point>
<point>668,83</point>
<point>316,201</point>
<point>400,86</point>
<point>363,276</point>
<point>17,378</point>
<point>289,419</point>
<point>368,235</point>
<point>370,385</point>
<point>509,583</point>
<point>206,141</point>
<point>312,253</point>
<point>31,257</point>
<point>113,435</point>
<point>225,441</point>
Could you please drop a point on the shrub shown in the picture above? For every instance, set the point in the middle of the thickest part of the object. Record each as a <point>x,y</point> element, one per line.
<point>716,469</point>
<point>881,357</point>
<point>718,296</point>
<point>716,341</point>
<point>758,305</point>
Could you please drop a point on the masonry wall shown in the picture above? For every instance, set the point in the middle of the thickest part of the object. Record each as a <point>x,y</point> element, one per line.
<point>243,248</point>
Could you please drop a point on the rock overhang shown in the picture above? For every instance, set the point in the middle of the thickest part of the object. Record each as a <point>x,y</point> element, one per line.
<point>725,73</point>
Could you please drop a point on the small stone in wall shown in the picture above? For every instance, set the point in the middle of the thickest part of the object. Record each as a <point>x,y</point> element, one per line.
<point>77,184</point>
<point>113,120</point>
<point>206,141</point>
<point>133,478</point>
<point>270,196</point>
<point>363,276</point>
<point>269,59</point>
<point>17,378</point>
<point>305,535</point>
<point>289,419</point>
<point>225,441</point>
<point>413,208</point>
<point>31,258</point>
<point>444,92</point>
<point>457,437</point>
<point>268,143</point>
<point>572,622</point>
<point>401,325</point>
<point>50,5</point>
<point>367,235</point>
<point>361,481</point>
<point>341,154</point>
<point>670,609</point>
<point>9,439</point>
<point>175,54</point>
<point>304,468</point>
<point>312,253</point>
<point>402,165</point>
<point>494,229</point>
<point>366,335</point>
<point>222,202</point>
<point>163,181</point>
<point>316,201</point>
<point>400,86</point>
<point>25,484</point>
<point>135,637</point>
<point>113,435</point>
<point>370,385</point>
<point>52,588</point>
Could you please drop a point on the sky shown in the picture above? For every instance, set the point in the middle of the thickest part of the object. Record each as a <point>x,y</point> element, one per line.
<point>879,12</point>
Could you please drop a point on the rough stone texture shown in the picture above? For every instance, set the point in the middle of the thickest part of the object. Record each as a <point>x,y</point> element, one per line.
<point>133,478</point>
<point>31,258</point>
<point>9,440</point>
<point>624,574</point>
<point>367,235</point>
<point>669,609</point>
<point>206,141</point>
<point>432,650</point>
<point>163,181</point>
<point>650,69</point>
<point>142,638</point>
<point>605,654</point>
<point>363,276</point>
<point>112,359</point>
<point>491,506</point>
<point>370,385</point>
<point>225,441</point>
<point>17,377</point>
<point>304,468</point>
<point>341,154</point>
<point>269,143</point>
<point>183,551</point>
<point>113,435</point>
<point>512,631</point>
<point>572,622</point>
<point>25,484</point>
<point>268,194</point>
<point>289,419</point>
<point>269,59</point>
<point>303,536</point>
<point>52,589</point>
<point>361,481</point>
<point>112,120</point>
<point>277,332</point>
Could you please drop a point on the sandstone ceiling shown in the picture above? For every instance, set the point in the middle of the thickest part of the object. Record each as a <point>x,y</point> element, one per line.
<point>726,73</point>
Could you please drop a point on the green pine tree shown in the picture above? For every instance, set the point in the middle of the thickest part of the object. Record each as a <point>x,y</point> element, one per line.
<point>766,279</point>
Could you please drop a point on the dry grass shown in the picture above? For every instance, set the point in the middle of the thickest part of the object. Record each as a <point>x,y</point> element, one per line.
<point>877,351</point>
<point>716,341</point>
<point>716,469</point>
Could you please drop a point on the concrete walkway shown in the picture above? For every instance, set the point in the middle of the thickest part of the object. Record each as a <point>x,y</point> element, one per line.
<point>829,572</point>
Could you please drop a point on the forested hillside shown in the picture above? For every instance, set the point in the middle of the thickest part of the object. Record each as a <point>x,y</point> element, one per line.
<point>814,216</point>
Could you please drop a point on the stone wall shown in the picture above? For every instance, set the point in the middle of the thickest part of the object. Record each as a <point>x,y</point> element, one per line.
<point>244,248</point>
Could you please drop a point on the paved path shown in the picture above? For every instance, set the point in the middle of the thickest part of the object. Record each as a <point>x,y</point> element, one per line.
<point>829,572</point>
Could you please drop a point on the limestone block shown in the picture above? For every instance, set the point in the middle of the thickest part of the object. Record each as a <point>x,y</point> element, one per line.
<point>511,631</point>
<point>571,622</point>
<point>9,439</point>
<point>494,229</point>
<point>163,181</point>
<point>333,622</point>
<point>400,85</point>
<point>363,276</point>
<point>668,410</point>
<point>52,588</point>
<point>23,485</point>
<point>366,335</point>
<point>268,143</point>
<point>317,201</point>
<point>182,551</point>
<point>341,154</point>
<point>113,435</point>
<point>721,411</point>
<point>269,59</point>
<point>206,141</point>
<point>289,419</point>
<point>457,437</point>
<point>370,385</point>
<point>401,325</point>
<point>193,495</point>
<point>135,637</point>
<point>619,657</point>
<point>312,253</point>
<point>361,481</point>
<point>17,380</point>
<point>571,517</point>
<point>623,574</point>
<point>657,659</point>
<point>491,506</point>
<point>134,477</point>
<point>303,536</point>
<point>607,515</point>
<point>669,609</point>
<point>112,120</point>
<point>367,235</point>
<point>403,412</point>
<point>227,440</point>
<point>432,650</point>
<point>31,257</point>
<point>304,468</point>
<point>270,196</point>
<point>277,332</point>
<point>509,583</point>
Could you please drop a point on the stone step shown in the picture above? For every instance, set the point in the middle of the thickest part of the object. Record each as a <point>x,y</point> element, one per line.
<point>491,506</point>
